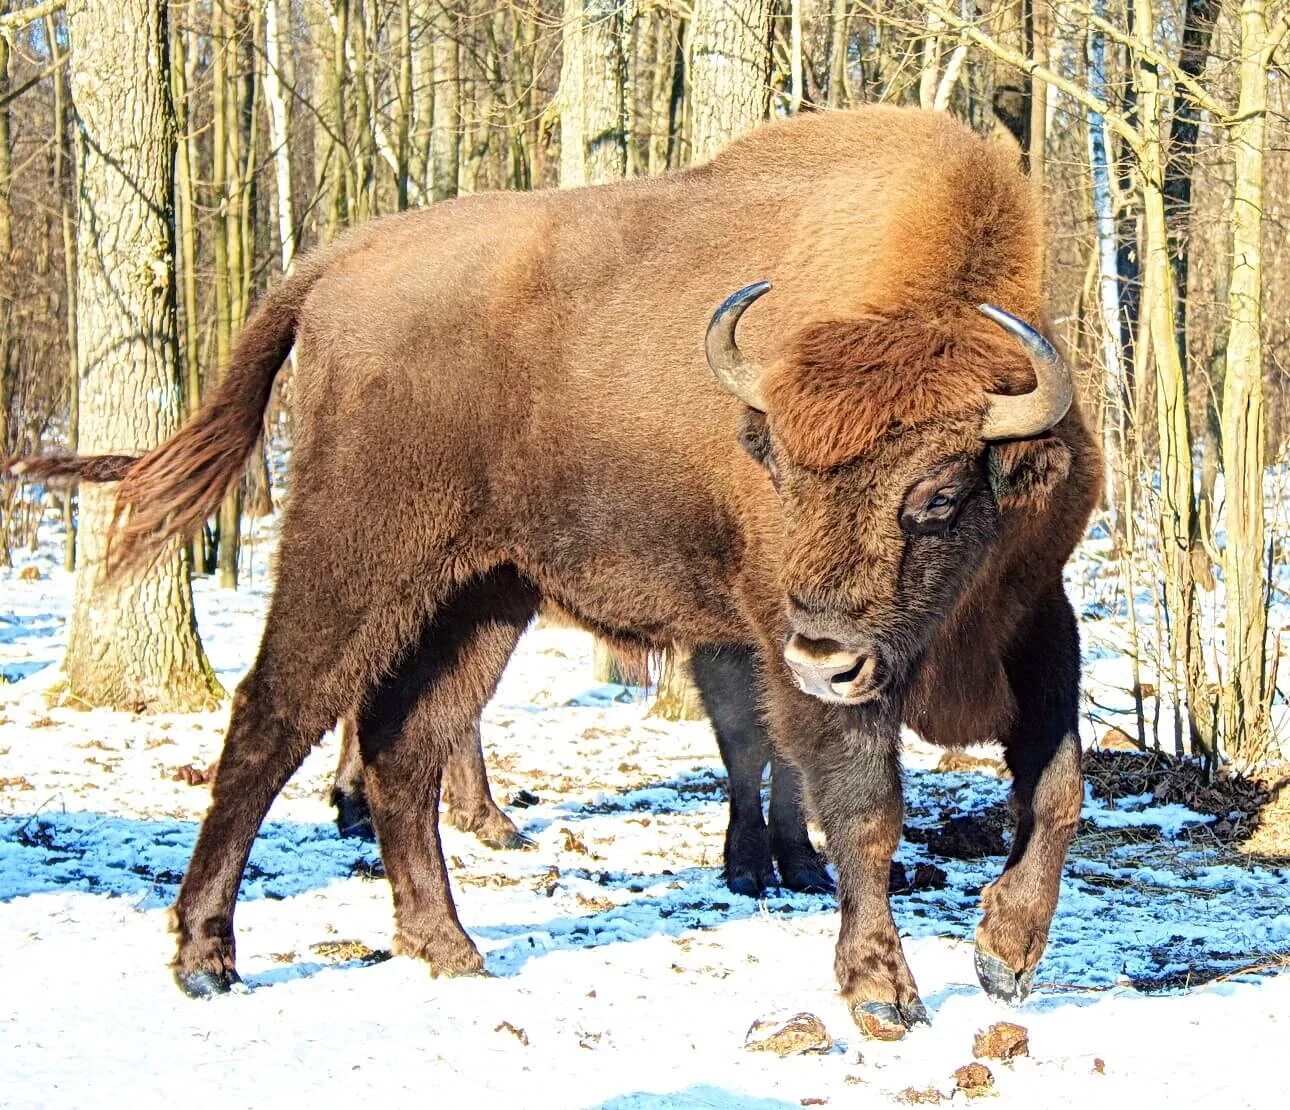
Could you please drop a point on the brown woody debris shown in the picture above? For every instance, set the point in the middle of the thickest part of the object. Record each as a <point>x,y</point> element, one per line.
<point>921,1096</point>
<point>956,760</point>
<point>514,1030</point>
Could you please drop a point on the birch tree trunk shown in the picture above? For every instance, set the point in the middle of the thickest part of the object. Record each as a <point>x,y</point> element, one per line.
<point>729,72</point>
<point>1246,698</point>
<point>279,127</point>
<point>132,644</point>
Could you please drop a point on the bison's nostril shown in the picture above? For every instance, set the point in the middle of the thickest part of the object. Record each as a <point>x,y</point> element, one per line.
<point>850,674</point>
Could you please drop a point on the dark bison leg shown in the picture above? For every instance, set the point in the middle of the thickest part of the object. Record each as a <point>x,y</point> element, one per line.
<point>725,681</point>
<point>409,728</point>
<point>348,790</point>
<point>469,801</point>
<point>726,677</point>
<point>1043,752</point>
<point>801,867</point>
<point>850,765</point>
<point>304,675</point>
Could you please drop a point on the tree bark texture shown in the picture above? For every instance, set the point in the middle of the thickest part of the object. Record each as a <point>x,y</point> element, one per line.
<point>134,644</point>
<point>729,72</point>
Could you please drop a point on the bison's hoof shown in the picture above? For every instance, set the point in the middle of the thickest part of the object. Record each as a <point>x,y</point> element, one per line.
<point>888,1021</point>
<point>207,984</point>
<point>808,878</point>
<point>507,840</point>
<point>353,818</point>
<point>750,884</point>
<point>999,981</point>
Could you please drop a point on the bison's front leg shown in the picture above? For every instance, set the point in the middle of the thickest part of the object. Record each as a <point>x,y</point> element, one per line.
<point>850,764</point>
<point>1042,750</point>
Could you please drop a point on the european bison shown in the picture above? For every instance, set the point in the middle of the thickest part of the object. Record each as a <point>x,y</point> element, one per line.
<point>502,399</point>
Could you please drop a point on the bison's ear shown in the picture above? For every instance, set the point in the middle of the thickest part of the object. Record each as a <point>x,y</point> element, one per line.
<point>1024,472</point>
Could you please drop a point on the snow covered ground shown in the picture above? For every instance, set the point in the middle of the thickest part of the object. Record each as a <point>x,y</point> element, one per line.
<point>623,973</point>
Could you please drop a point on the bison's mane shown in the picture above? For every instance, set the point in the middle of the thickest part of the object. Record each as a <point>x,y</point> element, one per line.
<point>841,385</point>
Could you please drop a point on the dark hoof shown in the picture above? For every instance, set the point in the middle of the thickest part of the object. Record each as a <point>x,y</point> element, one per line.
<point>353,818</point>
<point>888,1021</point>
<point>750,886</point>
<point>808,879</point>
<point>999,981</point>
<point>207,984</point>
<point>512,841</point>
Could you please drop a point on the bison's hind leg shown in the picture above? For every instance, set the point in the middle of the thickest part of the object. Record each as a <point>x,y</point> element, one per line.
<point>412,724</point>
<point>469,801</point>
<point>321,646</point>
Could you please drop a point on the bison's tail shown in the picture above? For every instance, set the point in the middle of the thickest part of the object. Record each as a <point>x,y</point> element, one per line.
<point>174,488</point>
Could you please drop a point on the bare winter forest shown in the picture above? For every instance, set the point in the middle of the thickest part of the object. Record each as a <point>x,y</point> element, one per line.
<point>1159,133</point>
<point>164,164</point>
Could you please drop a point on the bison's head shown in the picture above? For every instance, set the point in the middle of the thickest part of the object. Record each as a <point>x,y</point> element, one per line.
<point>896,466</point>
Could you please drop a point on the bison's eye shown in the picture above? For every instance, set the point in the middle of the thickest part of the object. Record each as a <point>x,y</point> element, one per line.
<point>932,505</point>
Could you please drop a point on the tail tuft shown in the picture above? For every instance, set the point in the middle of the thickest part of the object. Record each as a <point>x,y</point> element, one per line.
<point>61,469</point>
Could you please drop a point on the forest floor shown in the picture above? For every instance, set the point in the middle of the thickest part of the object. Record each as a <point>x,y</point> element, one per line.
<point>623,973</point>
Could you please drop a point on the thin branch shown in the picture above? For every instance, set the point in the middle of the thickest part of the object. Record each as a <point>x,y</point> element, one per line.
<point>1199,96</point>
<point>973,32</point>
<point>16,21</point>
<point>13,94</point>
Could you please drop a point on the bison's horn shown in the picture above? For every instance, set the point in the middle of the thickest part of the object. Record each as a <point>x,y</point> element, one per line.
<point>1030,413</point>
<point>737,374</point>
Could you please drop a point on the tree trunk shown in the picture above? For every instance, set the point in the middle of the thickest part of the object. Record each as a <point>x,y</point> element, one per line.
<point>1184,128</point>
<point>446,126</point>
<point>1117,397</point>
<point>65,184</point>
<point>593,87</point>
<point>839,95</point>
<point>678,698</point>
<point>275,37</point>
<point>1193,705</point>
<point>796,66</point>
<point>1246,697</point>
<point>7,367</point>
<point>130,644</point>
<point>729,72</point>
<point>183,65</point>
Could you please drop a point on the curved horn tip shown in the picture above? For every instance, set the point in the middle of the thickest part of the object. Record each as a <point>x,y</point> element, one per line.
<point>1018,328</point>
<point>737,374</point>
<point>1029,414</point>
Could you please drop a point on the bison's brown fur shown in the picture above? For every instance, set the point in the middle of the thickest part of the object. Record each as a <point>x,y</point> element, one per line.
<point>502,400</point>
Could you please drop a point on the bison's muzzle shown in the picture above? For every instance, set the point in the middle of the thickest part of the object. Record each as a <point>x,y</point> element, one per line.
<point>827,670</point>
